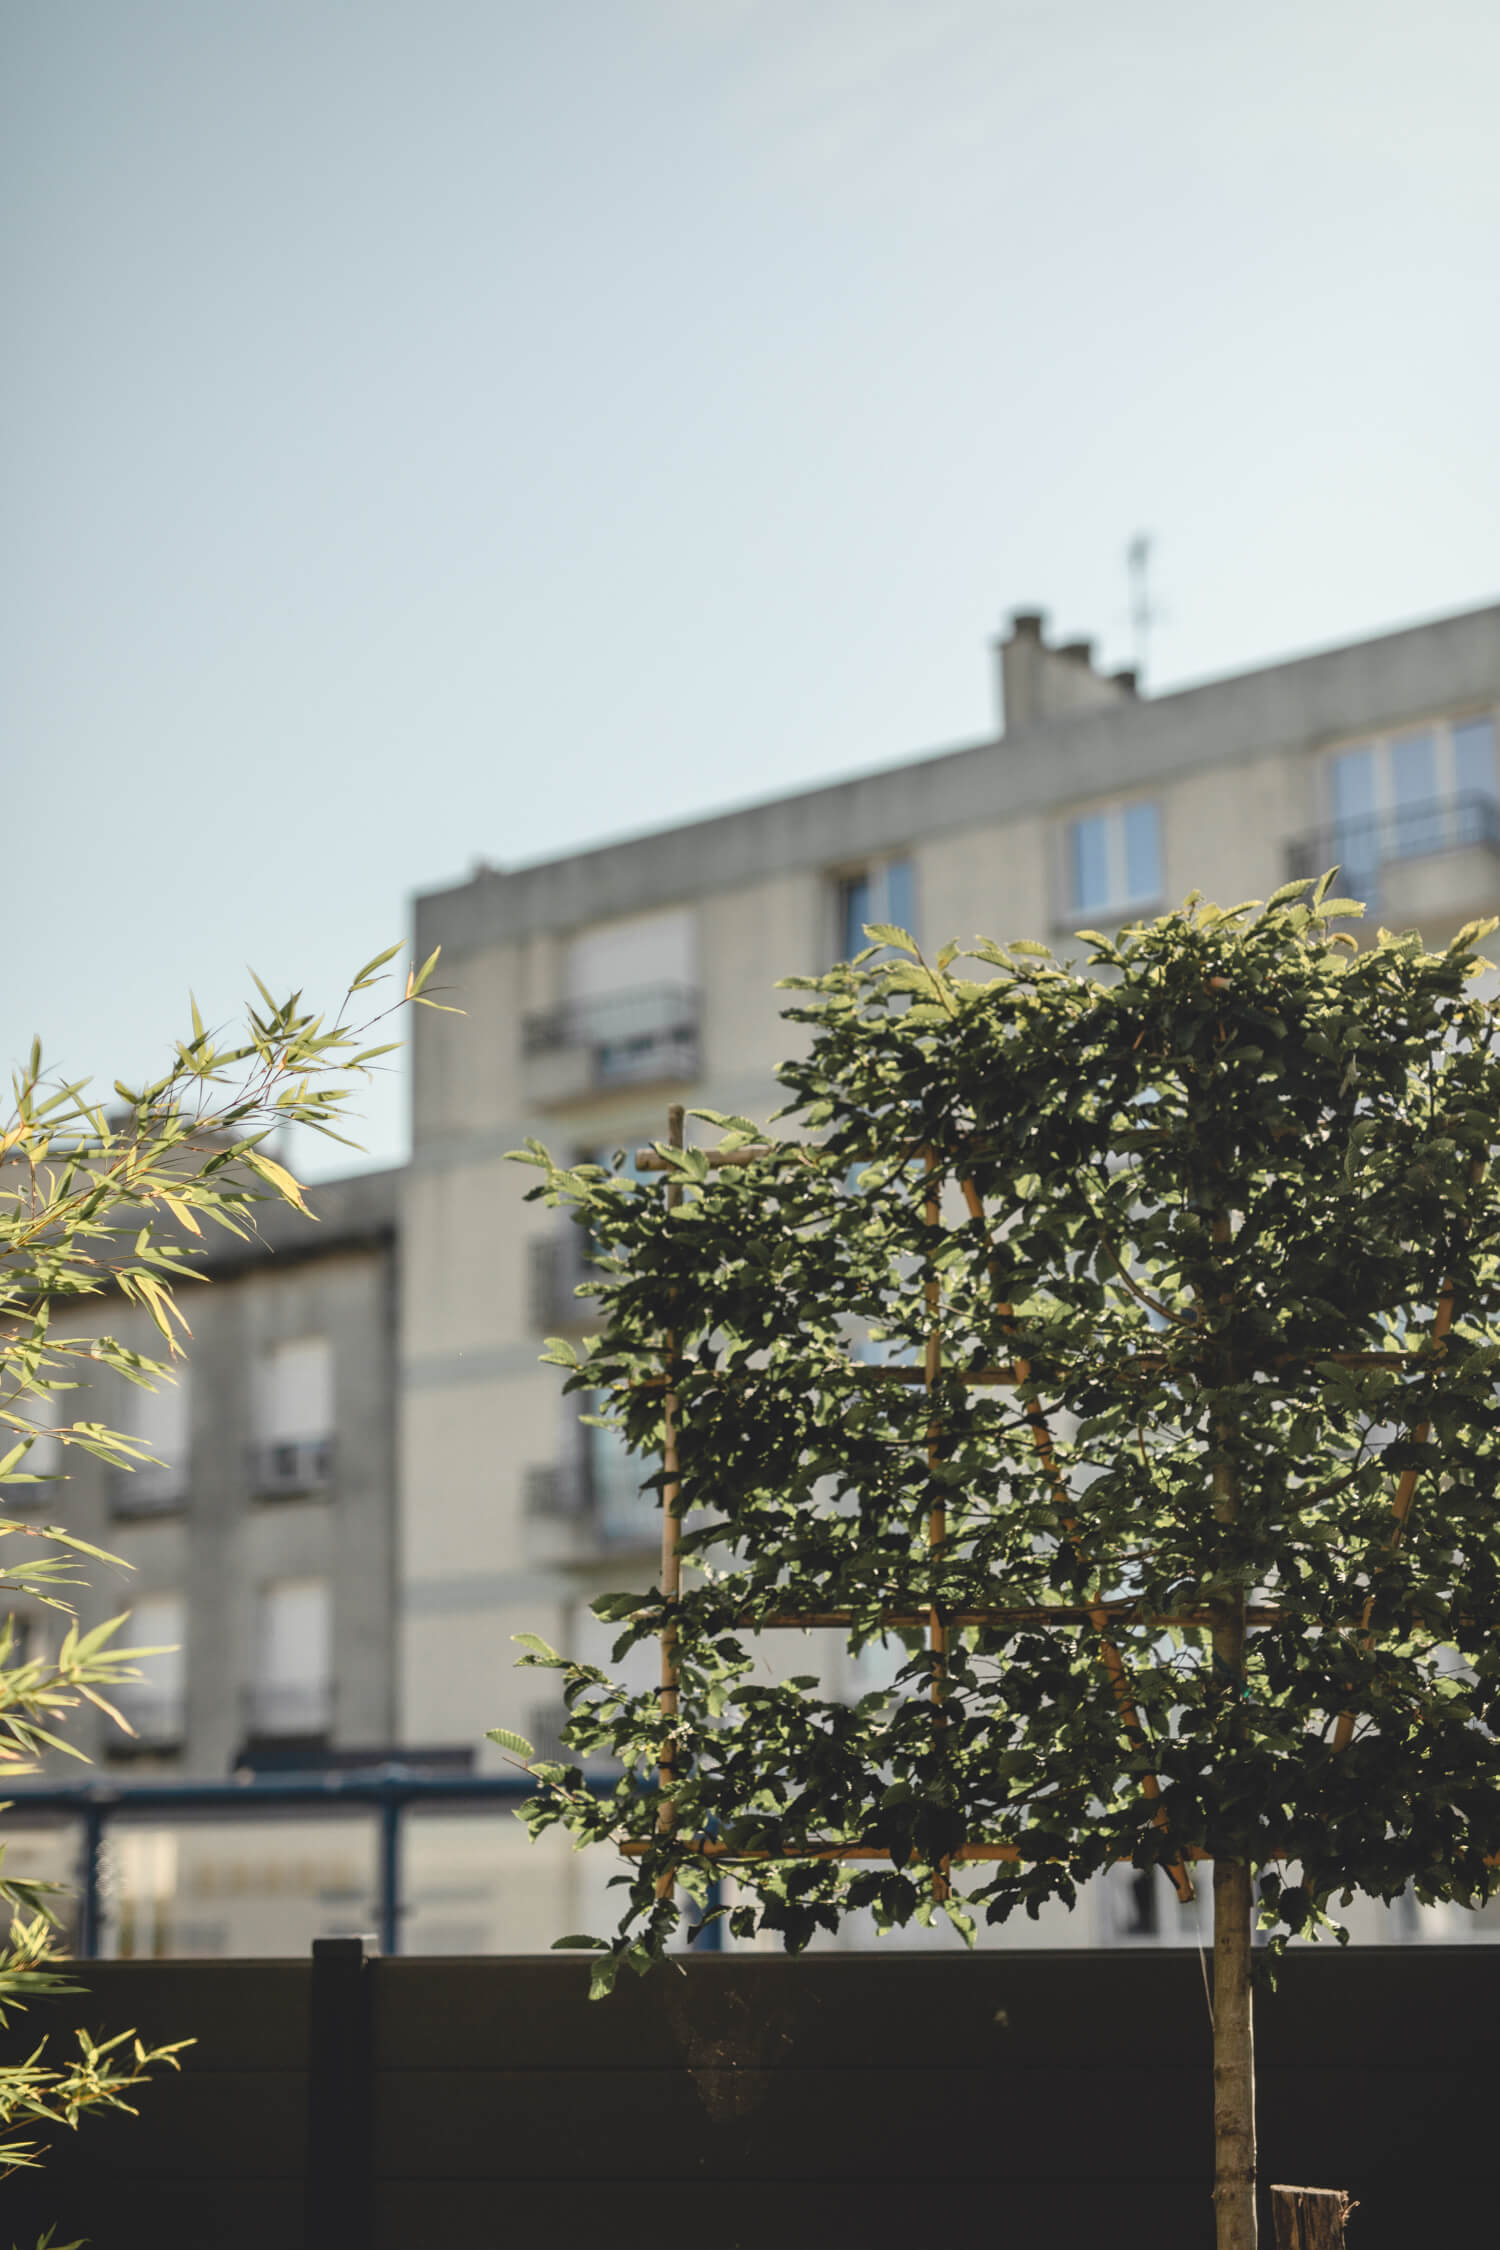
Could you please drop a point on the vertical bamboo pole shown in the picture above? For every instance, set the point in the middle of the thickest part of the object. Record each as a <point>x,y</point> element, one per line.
<point>671,1544</point>
<point>937,1514</point>
<point>1400,1509</point>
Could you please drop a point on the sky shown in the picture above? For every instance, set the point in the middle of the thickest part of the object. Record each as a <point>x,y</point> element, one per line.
<point>444,430</point>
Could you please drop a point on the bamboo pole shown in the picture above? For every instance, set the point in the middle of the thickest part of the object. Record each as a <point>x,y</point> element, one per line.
<point>1051,1613</point>
<point>1401,1503</point>
<point>671,1554</point>
<point>1109,1655</point>
<point>937,1514</point>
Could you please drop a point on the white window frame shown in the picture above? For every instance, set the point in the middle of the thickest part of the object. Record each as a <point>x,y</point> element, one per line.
<point>1380,746</point>
<point>1121,900</point>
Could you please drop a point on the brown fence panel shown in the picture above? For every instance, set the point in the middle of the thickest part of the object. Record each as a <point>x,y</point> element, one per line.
<point>754,2103</point>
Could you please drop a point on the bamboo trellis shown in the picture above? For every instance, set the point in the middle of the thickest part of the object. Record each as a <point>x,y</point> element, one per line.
<point>937,1621</point>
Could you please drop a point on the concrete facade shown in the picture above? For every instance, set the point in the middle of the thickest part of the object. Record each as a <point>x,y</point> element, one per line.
<point>234,1516</point>
<point>1228,781</point>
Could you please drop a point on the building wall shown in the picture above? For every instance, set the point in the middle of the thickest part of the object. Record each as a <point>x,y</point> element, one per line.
<point>1235,770</point>
<point>221,1544</point>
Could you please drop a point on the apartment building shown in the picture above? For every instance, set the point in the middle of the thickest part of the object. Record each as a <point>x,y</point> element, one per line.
<point>261,1545</point>
<point>602,986</point>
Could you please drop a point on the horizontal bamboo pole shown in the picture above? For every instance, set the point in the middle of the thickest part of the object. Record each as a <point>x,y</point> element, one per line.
<point>1007,1377</point>
<point>1050,1613</point>
<point>712,1848</point>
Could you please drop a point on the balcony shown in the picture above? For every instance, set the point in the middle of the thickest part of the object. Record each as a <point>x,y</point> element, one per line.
<point>590,1506</point>
<point>557,1266</point>
<point>159,1720</point>
<point>291,1468</point>
<point>645,1036</point>
<point>1433,863</point>
<point>156,1488</point>
<point>288,1710</point>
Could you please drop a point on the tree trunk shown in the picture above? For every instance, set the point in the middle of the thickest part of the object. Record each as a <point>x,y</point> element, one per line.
<point>1234,2059</point>
<point>1309,2218</point>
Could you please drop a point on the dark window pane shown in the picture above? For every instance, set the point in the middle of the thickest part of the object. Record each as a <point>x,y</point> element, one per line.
<point>854,912</point>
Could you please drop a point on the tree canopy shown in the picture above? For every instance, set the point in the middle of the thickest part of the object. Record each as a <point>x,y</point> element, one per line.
<point>1122,1340</point>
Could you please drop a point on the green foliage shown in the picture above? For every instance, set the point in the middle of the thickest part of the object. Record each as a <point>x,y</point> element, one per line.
<point>1206,1197</point>
<point>114,1200</point>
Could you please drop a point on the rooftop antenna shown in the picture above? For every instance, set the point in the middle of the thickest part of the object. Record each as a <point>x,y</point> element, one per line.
<point>1142,615</point>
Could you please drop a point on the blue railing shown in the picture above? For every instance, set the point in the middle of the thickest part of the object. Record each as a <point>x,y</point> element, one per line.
<point>388,1791</point>
<point>1362,846</point>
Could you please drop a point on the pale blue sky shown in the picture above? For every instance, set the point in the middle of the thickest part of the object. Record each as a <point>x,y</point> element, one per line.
<point>444,429</point>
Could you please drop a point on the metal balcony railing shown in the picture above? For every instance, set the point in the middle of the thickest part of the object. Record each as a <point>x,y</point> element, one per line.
<point>647,1032</point>
<point>1360,848</point>
<point>289,1710</point>
<point>287,1468</point>
<point>601,1496</point>
<point>158,1719</point>
<point>557,1266</point>
<point>153,1489</point>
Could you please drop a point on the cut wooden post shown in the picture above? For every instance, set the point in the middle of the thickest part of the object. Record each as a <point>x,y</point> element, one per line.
<point>671,1550</point>
<point>1309,2218</point>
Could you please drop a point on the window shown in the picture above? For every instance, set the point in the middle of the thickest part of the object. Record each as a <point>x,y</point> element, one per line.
<point>291,1694</point>
<point>44,1458</point>
<point>293,1448</point>
<point>885,892</point>
<point>628,994</point>
<point>1405,795</point>
<point>1114,859</point>
<point>160,1421</point>
<point>156,1704</point>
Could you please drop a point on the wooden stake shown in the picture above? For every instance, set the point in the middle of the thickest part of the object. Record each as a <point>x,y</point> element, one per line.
<point>1400,1509</point>
<point>937,1514</point>
<point>671,1553</point>
<point>1310,2218</point>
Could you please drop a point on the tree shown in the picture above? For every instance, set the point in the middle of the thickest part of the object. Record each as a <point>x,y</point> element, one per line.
<point>1171,1460</point>
<point>97,1199</point>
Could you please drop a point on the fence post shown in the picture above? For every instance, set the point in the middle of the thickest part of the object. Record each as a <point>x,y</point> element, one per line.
<point>340,2104</point>
<point>90,1913</point>
<point>390,1875</point>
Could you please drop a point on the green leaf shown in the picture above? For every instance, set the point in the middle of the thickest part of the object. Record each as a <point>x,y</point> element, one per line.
<point>508,1740</point>
<point>887,933</point>
<point>364,976</point>
<point>537,1645</point>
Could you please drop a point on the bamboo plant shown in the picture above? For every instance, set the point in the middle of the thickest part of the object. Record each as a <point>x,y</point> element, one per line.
<point>115,1199</point>
<point>1121,1340</point>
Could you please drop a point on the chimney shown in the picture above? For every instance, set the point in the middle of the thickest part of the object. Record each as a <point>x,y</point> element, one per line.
<point>1022,654</point>
<point>1037,682</point>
